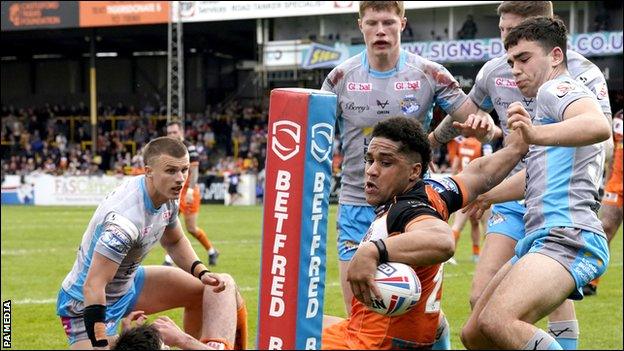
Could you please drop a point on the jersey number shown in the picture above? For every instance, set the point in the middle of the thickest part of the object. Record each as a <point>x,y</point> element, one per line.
<point>433,302</point>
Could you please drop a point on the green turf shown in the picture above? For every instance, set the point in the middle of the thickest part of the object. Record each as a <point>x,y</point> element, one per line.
<point>39,244</point>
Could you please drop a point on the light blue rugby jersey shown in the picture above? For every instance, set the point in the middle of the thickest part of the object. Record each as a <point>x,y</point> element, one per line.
<point>495,88</point>
<point>562,182</point>
<point>124,228</point>
<point>366,96</point>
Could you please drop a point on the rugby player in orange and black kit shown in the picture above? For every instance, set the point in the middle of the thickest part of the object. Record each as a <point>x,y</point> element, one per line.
<point>190,202</point>
<point>410,227</point>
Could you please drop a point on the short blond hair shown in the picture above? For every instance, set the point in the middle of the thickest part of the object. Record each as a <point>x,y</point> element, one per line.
<point>163,145</point>
<point>397,6</point>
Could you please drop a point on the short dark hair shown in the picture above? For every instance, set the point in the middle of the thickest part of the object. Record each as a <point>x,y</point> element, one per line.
<point>163,145</point>
<point>526,9</point>
<point>410,133</point>
<point>548,32</point>
<point>142,337</point>
<point>397,6</point>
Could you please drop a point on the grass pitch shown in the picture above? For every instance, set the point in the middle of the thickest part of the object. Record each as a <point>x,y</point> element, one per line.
<point>39,247</point>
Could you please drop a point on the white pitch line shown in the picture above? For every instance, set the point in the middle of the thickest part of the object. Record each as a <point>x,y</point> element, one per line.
<point>23,252</point>
<point>241,288</point>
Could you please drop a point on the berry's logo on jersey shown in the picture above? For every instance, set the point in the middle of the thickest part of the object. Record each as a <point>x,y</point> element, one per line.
<point>354,86</point>
<point>505,82</point>
<point>286,138</point>
<point>322,139</point>
<point>407,85</point>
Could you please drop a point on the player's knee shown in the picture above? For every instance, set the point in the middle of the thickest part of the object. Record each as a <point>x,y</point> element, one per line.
<point>488,323</point>
<point>468,336</point>
<point>227,279</point>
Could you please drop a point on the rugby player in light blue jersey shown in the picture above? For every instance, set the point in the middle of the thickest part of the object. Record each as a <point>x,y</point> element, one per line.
<point>565,246</point>
<point>107,281</point>
<point>495,89</point>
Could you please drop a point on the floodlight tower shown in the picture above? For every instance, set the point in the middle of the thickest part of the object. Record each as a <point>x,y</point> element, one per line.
<point>175,65</point>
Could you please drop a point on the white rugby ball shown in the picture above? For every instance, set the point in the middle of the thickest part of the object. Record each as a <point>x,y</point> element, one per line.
<point>399,287</point>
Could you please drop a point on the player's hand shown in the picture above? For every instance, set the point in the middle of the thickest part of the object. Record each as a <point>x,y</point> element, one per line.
<point>189,197</point>
<point>213,279</point>
<point>134,318</point>
<point>361,273</point>
<point>518,119</point>
<point>477,126</point>
<point>477,207</point>
<point>170,333</point>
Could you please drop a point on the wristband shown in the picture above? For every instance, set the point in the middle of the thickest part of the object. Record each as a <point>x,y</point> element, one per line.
<point>383,252</point>
<point>94,318</point>
<point>195,265</point>
<point>202,273</point>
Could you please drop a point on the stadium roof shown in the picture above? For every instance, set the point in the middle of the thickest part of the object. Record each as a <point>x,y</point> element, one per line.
<point>235,38</point>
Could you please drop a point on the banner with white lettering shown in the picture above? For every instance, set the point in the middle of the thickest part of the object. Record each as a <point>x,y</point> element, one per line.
<point>312,55</point>
<point>298,174</point>
<point>74,190</point>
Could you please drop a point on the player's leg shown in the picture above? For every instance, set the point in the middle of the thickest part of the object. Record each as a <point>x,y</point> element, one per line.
<point>188,292</point>
<point>507,319</point>
<point>240,342</point>
<point>352,224</point>
<point>475,235</point>
<point>220,314</point>
<point>471,336</point>
<point>459,220</point>
<point>611,218</point>
<point>505,228</point>
<point>190,221</point>
<point>559,262</point>
<point>563,325</point>
<point>458,224</point>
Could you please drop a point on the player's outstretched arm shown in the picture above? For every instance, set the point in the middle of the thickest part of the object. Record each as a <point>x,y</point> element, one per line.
<point>484,173</point>
<point>172,335</point>
<point>510,189</point>
<point>583,124</point>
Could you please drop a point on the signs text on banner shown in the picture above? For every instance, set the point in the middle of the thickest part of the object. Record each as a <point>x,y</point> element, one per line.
<point>313,55</point>
<point>298,173</point>
<point>121,13</point>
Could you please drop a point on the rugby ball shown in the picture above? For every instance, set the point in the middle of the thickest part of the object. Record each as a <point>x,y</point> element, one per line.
<point>399,287</point>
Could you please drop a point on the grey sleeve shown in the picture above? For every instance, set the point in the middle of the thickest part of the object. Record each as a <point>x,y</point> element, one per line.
<point>595,81</point>
<point>448,94</point>
<point>118,235</point>
<point>330,84</point>
<point>479,92</point>
<point>556,96</point>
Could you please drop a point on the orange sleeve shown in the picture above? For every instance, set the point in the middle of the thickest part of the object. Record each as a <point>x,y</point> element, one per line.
<point>463,190</point>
